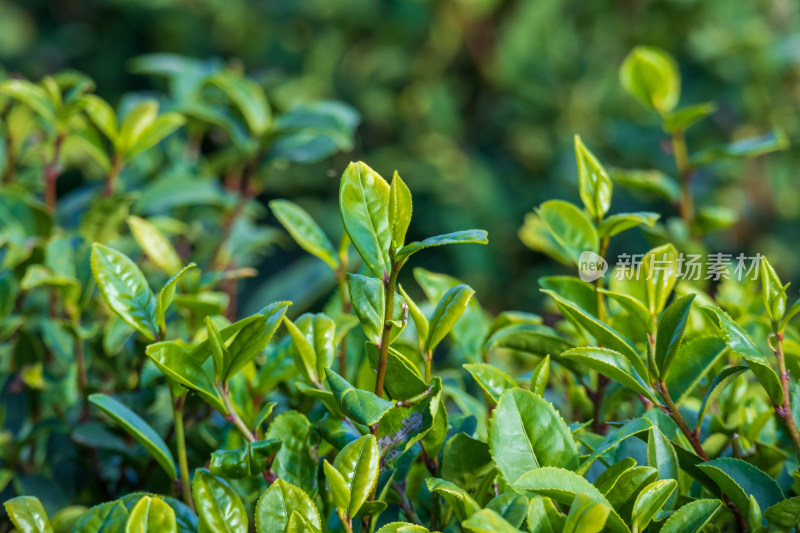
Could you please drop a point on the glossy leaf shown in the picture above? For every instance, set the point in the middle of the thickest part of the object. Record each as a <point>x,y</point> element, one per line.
<point>358,463</point>
<point>526,432</point>
<point>28,515</point>
<point>670,332</point>
<point>634,427</point>
<point>178,365</point>
<point>167,294</point>
<point>155,245</point>
<point>400,208</point>
<point>275,506</point>
<point>510,506</point>
<point>695,358</point>
<point>616,224</point>
<point>137,428</point>
<point>743,345</point>
<point>586,515</point>
<point>361,406</point>
<point>773,291</point>
<point>218,506</point>
<point>253,338</point>
<point>151,515</point>
<point>651,75</point>
<point>364,202</point>
<point>613,365</point>
<point>562,486</point>
<point>245,461</point>
<point>593,182</point>
<point>249,97</point>
<point>109,516</point>
<point>739,480</point>
<point>491,379</point>
<point>447,312</point>
<point>718,384</point>
<point>462,504</point>
<point>540,375</point>
<point>692,517</point>
<point>124,289</point>
<point>650,501</point>
<point>659,270</point>
<point>569,227</point>
<point>471,236</point>
<point>488,521</point>
<point>305,231</point>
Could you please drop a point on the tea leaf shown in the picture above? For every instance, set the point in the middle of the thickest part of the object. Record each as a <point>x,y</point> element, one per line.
<point>274,507</point>
<point>137,428</point>
<point>692,517</point>
<point>670,333</point>
<point>28,515</point>
<point>218,506</point>
<point>650,501</point>
<point>594,184</point>
<point>151,515</point>
<point>652,76</point>
<point>447,312</point>
<point>305,231</point>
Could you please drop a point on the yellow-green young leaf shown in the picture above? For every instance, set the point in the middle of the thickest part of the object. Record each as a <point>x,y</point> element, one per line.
<point>262,415</point>
<point>358,462</point>
<point>275,506</point>
<point>102,116</point>
<point>739,480</point>
<point>540,375</point>
<point>742,344</point>
<point>313,344</point>
<point>338,486</point>
<point>249,97</point>
<point>784,514</point>
<point>305,231</point>
<point>491,379</point>
<point>773,290</point>
<point>535,235</point>
<point>562,485</point>
<point>692,517</point>
<point>618,223</point>
<point>586,515</point>
<point>125,289</point>
<point>544,517</point>
<point>138,119</point>
<point>649,182</point>
<point>659,272</point>
<point>685,118</point>
<point>652,76</point>
<point>293,463</point>
<point>420,320</point>
<point>470,236</point>
<point>155,245</point>
<point>360,406</point>
<point>661,455</point>
<point>670,333</point>
<point>167,294</point>
<point>253,338</point>
<point>109,516</point>
<point>593,181</point>
<point>569,228</point>
<point>402,527</point>
<point>364,202</point>
<point>300,524</point>
<point>650,501</point>
<point>159,130</point>
<point>137,428</point>
<point>612,364</point>
<point>33,96</point>
<point>179,365</point>
<point>399,211</point>
<point>247,460</point>
<point>151,515</point>
<point>64,519</point>
<point>488,521</point>
<point>754,514</point>
<point>219,352</point>
<point>526,432</point>
<point>219,508</point>
<point>447,312</point>
<point>28,515</point>
<point>459,500</point>
<point>367,298</point>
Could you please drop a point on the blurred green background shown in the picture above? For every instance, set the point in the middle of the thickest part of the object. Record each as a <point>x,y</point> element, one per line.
<point>474,102</point>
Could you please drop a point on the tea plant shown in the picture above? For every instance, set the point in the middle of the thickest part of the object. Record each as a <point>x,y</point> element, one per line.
<point>385,411</point>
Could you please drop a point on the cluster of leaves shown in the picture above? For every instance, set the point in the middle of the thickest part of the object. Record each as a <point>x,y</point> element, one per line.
<point>339,420</point>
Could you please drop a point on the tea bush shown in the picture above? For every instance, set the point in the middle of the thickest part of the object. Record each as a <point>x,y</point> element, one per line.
<point>133,383</point>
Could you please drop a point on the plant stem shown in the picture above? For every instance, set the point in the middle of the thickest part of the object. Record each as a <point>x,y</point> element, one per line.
<point>183,461</point>
<point>234,417</point>
<point>51,172</point>
<point>111,177</point>
<point>390,284</point>
<point>428,364</point>
<point>785,410</point>
<point>675,414</point>
<point>684,167</point>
